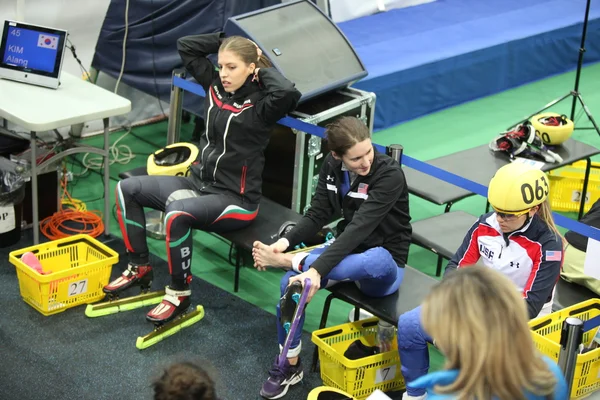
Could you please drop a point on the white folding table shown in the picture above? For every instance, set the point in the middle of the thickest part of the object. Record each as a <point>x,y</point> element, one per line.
<point>41,109</point>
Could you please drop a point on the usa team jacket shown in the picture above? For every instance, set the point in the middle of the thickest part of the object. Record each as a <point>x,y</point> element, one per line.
<point>238,126</point>
<point>531,256</point>
<point>374,211</point>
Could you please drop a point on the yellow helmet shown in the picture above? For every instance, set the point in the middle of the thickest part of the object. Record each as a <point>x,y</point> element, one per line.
<point>173,160</point>
<point>553,128</point>
<point>327,392</point>
<point>517,187</point>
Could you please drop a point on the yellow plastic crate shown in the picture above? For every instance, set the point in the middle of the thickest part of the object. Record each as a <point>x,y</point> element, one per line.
<point>80,266</point>
<point>546,333</point>
<point>566,184</point>
<point>361,377</point>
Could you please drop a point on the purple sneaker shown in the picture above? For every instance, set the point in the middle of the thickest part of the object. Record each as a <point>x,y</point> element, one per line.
<point>280,379</point>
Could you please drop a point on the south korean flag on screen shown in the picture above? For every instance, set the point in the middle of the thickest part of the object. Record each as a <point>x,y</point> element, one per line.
<point>47,41</point>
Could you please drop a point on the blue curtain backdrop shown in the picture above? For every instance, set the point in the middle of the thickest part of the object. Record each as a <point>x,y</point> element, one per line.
<point>153,29</point>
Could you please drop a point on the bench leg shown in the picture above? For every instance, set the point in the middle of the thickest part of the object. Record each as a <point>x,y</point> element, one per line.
<point>438,270</point>
<point>586,179</point>
<point>448,206</point>
<point>324,316</point>
<point>238,265</point>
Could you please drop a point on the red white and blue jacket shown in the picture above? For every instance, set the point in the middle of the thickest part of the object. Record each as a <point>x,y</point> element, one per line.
<point>531,256</point>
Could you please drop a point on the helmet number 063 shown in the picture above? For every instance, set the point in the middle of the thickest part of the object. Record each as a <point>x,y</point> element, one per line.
<point>538,193</point>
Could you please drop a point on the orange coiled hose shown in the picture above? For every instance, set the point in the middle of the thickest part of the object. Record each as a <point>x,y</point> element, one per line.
<point>72,218</point>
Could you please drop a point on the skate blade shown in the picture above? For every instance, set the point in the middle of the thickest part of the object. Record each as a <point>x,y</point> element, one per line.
<point>126,304</point>
<point>170,328</point>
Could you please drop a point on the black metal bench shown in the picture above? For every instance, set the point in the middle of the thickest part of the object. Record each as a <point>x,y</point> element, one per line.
<point>442,234</point>
<point>265,228</point>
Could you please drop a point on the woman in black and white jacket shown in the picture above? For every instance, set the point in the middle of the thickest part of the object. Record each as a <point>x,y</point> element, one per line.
<point>244,100</point>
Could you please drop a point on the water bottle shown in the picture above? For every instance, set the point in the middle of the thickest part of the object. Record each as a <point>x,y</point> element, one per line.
<point>386,336</point>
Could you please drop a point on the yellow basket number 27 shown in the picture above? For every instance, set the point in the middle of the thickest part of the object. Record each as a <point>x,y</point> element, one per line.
<point>78,287</point>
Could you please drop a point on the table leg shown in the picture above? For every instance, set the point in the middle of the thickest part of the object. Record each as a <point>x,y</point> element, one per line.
<point>34,190</point>
<point>588,164</point>
<point>106,178</point>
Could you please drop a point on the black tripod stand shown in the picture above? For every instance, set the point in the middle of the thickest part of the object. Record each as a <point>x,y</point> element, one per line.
<point>575,92</point>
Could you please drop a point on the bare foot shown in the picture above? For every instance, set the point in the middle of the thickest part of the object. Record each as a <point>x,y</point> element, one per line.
<point>265,256</point>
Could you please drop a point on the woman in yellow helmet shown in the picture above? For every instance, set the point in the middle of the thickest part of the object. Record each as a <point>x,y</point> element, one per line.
<point>518,239</point>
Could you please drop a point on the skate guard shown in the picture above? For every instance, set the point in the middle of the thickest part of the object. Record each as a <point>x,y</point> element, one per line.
<point>161,332</point>
<point>128,303</point>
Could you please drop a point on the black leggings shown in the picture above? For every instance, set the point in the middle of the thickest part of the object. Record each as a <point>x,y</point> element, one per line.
<point>185,208</point>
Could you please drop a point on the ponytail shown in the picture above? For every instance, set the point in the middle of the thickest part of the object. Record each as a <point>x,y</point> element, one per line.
<point>545,214</point>
<point>263,62</point>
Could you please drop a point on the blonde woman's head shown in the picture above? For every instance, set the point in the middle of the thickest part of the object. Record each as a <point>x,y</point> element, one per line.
<point>478,320</point>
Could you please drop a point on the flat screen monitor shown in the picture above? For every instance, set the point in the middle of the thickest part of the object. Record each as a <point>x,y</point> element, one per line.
<point>303,44</point>
<point>32,54</point>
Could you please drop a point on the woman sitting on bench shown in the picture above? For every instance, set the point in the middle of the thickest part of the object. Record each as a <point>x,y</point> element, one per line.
<point>480,324</point>
<point>371,248</point>
<point>518,239</point>
<point>575,252</point>
<point>244,100</point>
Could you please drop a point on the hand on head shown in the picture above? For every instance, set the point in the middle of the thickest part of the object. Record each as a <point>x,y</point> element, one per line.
<point>258,50</point>
<point>255,77</point>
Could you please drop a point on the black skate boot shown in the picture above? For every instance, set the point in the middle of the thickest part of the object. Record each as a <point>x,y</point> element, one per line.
<point>288,303</point>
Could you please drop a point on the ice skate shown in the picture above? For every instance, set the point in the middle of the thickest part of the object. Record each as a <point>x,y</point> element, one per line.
<point>133,276</point>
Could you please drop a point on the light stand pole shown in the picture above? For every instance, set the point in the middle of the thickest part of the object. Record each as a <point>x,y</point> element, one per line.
<point>575,92</point>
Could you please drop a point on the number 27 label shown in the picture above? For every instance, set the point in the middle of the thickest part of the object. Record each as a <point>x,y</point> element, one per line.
<point>385,374</point>
<point>78,287</point>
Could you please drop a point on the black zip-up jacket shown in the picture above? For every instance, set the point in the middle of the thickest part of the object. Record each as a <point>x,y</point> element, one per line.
<point>375,212</point>
<point>239,125</point>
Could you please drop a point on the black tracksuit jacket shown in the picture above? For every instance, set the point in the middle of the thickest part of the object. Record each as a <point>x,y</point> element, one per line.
<point>238,126</point>
<point>375,212</point>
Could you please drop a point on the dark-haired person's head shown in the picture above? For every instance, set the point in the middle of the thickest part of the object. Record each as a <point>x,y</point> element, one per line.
<point>184,381</point>
<point>349,140</point>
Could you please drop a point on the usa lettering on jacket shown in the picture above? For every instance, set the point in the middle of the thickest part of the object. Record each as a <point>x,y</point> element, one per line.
<point>515,260</point>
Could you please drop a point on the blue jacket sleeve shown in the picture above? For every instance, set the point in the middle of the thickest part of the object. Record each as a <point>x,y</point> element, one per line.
<point>561,392</point>
<point>544,275</point>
